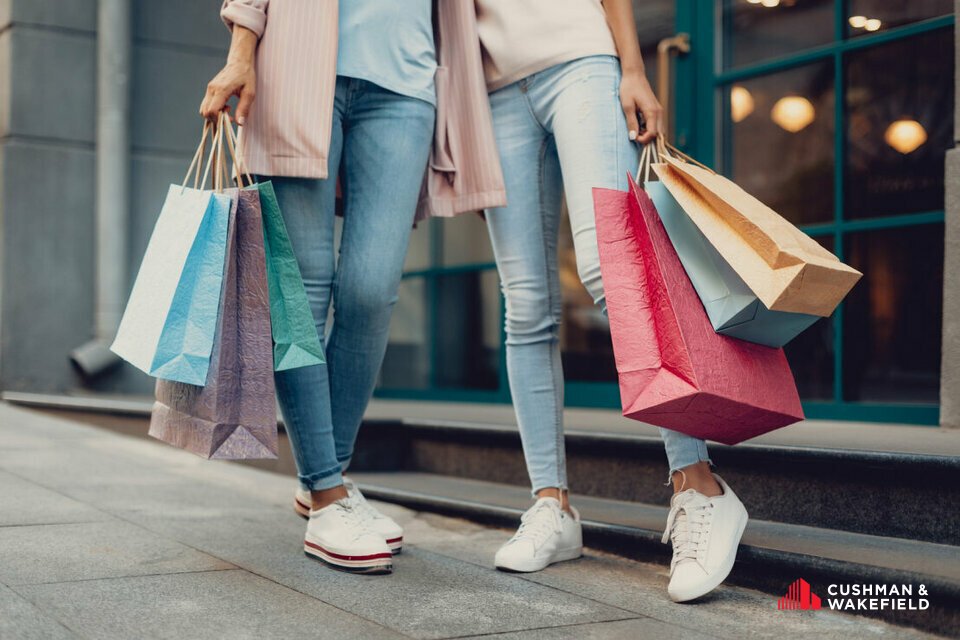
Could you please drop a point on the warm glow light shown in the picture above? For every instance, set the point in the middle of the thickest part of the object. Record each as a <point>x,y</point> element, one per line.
<point>872,24</point>
<point>769,3</point>
<point>858,22</point>
<point>793,113</point>
<point>905,135</point>
<point>741,103</point>
<point>754,1</point>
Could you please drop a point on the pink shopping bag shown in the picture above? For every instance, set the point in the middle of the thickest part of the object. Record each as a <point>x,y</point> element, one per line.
<point>675,371</point>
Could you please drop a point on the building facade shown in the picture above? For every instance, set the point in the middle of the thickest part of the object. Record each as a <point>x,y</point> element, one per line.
<point>840,114</point>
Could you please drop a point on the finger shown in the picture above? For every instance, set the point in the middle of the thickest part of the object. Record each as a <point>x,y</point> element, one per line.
<point>215,104</point>
<point>243,105</point>
<point>652,126</point>
<point>633,123</point>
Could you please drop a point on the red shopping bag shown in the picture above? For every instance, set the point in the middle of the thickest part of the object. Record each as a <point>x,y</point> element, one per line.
<point>675,371</point>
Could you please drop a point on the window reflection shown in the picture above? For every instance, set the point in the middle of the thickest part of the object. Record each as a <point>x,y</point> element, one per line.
<point>868,16</point>
<point>764,29</point>
<point>899,125</point>
<point>780,143</point>
<point>407,361</point>
<point>892,318</point>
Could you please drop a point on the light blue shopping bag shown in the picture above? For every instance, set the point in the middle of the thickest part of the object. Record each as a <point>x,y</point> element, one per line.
<point>732,307</point>
<point>186,340</point>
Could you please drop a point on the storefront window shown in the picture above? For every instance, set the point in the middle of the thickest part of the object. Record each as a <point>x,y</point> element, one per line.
<point>758,30</point>
<point>869,16</point>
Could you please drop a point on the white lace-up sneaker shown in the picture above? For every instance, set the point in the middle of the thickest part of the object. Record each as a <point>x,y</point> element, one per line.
<point>384,525</point>
<point>338,535</point>
<point>547,534</point>
<point>705,533</point>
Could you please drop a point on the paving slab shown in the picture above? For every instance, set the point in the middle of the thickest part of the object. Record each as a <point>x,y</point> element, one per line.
<point>641,588</point>
<point>640,628</point>
<point>21,620</point>
<point>427,596</point>
<point>24,503</point>
<point>220,604</point>
<point>66,552</point>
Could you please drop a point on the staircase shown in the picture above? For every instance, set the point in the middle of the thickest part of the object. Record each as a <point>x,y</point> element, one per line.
<point>826,514</point>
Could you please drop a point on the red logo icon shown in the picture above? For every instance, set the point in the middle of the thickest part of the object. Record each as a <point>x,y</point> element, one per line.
<point>799,596</point>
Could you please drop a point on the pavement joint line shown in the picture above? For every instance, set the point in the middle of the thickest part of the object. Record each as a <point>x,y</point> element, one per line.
<point>572,625</point>
<point>52,524</point>
<point>43,613</point>
<point>136,575</point>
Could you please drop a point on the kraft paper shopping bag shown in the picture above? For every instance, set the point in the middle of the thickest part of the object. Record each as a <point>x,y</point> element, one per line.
<point>675,371</point>
<point>785,268</point>
<point>734,310</point>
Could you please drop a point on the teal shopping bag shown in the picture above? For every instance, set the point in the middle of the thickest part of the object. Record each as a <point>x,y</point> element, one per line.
<point>734,310</point>
<point>295,339</point>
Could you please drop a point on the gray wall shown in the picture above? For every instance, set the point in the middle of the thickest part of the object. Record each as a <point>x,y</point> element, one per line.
<point>47,119</point>
<point>950,376</point>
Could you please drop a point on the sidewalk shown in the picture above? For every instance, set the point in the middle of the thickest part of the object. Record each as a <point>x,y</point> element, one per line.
<point>107,536</point>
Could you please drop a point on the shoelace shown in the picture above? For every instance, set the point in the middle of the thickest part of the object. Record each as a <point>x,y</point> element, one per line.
<point>350,515</point>
<point>538,523</point>
<point>687,527</point>
<point>360,502</point>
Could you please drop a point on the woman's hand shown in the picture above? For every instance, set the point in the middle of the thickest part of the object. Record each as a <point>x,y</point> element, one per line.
<point>237,78</point>
<point>636,96</point>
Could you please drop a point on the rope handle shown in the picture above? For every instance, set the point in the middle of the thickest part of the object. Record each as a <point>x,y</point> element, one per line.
<point>239,167</point>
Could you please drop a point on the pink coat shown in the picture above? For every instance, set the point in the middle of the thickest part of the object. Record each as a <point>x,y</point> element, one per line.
<point>288,130</point>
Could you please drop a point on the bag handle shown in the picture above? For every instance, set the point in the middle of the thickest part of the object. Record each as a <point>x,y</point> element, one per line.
<point>197,156</point>
<point>239,168</point>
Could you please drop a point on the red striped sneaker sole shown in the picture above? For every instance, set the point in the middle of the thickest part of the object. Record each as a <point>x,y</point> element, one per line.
<point>303,510</point>
<point>377,563</point>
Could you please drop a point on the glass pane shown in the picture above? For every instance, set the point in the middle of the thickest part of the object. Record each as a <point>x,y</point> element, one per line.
<point>811,354</point>
<point>868,16</point>
<point>899,125</point>
<point>585,332</point>
<point>418,253</point>
<point>467,331</point>
<point>407,361</point>
<point>892,318</point>
<point>780,139</point>
<point>465,240</point>
<point>756,30</point>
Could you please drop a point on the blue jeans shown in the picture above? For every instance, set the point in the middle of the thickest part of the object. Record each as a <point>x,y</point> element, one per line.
<point>560,132</point>
<point>381,141</point>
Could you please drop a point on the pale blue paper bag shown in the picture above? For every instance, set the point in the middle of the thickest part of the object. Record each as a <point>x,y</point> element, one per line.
<point>732,307</point>
<point>186,341</point>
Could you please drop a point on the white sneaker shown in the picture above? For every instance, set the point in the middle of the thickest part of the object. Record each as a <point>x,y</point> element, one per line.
<point>705,533</point>
<point>547,534</point>
<point>339,536</point>
<point>391,531</point>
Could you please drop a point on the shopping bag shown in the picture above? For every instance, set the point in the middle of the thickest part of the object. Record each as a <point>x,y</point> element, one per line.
<point>169,322</point>
<point>234,415</point>
<point>295,339</point>
<point>734,310</point>
<point>785,268</point>
<point>675,371</point>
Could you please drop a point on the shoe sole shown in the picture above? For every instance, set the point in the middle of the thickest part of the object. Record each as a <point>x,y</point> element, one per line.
<point>374,564</point>
<point>563,556</point>
<point>395,544</point>
<point>721,575</point>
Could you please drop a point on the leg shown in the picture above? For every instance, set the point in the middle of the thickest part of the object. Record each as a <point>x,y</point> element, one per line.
<point>304,393</point>
<point>386,148</point>
<point>581,105</point>
<point>524,238</point>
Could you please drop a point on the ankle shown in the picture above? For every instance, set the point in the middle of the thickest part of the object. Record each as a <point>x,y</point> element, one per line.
<point>326,497</point>
<point>560,495</point>
<point>698,477</point>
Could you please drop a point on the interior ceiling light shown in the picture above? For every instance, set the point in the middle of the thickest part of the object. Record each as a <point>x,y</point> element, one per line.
<point>872,24</point>
<point>905,135</point>
<point>793,113</point>
<point>858,22</point>
<point>770,3</point>
<point>741,103</point>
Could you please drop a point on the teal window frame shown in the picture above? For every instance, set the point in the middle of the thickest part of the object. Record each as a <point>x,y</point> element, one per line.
<point>698,127</point>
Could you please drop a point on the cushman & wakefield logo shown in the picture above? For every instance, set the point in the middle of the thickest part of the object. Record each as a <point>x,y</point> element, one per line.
<point>857,597</point>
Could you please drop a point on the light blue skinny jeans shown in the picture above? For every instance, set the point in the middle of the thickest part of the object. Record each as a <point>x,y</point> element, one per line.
<point>381,141</point>
<point>560,132</point>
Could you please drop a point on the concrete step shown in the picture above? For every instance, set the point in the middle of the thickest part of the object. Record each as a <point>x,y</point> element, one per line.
<point>772,554</point>
<point>885,493</point>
